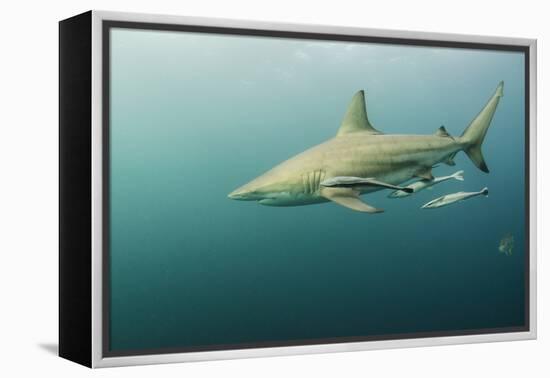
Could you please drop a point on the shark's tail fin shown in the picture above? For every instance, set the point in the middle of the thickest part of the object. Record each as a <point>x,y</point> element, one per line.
<point>485,191</point>
<point>473,136</point>
<point>458,175</point>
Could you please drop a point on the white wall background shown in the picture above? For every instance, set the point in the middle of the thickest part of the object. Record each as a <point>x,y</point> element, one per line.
<point>28,186</point>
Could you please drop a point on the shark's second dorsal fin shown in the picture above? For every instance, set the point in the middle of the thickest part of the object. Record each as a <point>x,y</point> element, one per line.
<point>442,132</point>
<point>356,119</point>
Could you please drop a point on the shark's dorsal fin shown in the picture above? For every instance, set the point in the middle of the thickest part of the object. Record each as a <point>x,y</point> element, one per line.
<point>356,119</point>
<point>442,132</point>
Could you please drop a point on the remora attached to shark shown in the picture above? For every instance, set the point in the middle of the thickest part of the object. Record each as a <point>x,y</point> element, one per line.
<point>361,159</point>
<point>426,184</point>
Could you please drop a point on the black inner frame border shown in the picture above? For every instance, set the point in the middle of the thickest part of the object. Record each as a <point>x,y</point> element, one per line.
<point>107,25</point>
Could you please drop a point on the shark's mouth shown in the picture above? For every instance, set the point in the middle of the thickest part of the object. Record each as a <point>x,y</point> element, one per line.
<point>287,199</point>
<point>267,201</point>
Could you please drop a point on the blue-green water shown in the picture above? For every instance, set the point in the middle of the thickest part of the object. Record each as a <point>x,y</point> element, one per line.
<point>194,116</point>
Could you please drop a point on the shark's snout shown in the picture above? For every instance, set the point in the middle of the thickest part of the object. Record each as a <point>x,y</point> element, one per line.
<point>267,189</point>
<point>255,190</point>
<point>237,195</point>
<point>243,194</point>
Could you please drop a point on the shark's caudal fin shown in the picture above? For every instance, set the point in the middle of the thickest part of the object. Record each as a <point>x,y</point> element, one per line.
<point>473,136</point>
<point>356,118</point>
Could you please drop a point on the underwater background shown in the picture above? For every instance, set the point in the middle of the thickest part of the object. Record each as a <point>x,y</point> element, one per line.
<point>194,116</point>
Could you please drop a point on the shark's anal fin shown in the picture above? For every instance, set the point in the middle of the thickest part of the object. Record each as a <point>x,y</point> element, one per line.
<point>450,159</point>
<point>349,198</point>
<point>425,173</point>
<point>359,182</point>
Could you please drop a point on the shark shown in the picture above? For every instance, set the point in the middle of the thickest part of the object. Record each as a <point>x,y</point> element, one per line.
<point>360,159</point>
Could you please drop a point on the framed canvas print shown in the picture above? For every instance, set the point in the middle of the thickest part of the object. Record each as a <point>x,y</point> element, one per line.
<point>238,189</point>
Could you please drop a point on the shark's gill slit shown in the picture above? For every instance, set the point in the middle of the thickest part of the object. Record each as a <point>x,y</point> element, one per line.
<point>305,183</point>
<point>318,175</point>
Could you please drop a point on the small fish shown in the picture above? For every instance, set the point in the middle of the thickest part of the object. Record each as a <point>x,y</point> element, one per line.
<point>506,244</point>
<point>425,184</point>
<point>454,197</point>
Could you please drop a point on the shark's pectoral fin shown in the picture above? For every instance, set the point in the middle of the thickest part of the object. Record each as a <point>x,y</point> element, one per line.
<point>359,182</point>
<point>425,173</point>
<point>349,198</point>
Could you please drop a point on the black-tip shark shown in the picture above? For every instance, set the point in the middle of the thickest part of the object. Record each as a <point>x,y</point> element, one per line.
<point>360,159</point>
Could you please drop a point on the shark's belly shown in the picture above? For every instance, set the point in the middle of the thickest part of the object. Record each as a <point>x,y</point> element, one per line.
<point>294,200</point>
<point>305,189</point>
<point>389,171</point>
<point>301,177</point>
<point>393,161</point>
<point>397,176</point>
